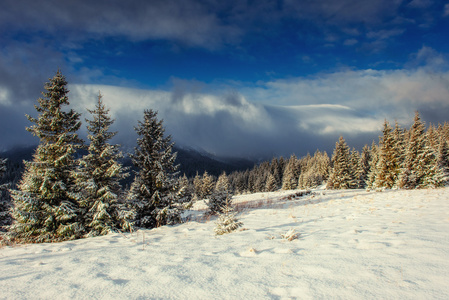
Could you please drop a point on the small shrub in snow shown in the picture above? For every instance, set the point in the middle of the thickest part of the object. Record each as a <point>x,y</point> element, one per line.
<point>227,222</point>
<point>290,235</point>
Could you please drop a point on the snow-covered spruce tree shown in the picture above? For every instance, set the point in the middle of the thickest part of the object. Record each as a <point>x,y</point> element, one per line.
<point>435,173</point>
<point>197,187</point>
<point>186,189</point>
<point>374,159</point>
<point>5,203</point>
<point>419,163</point>
<point>323,164</point>
<point>388,167</point>
<point>207,185</point>
<point>356,167</point>
<point>443,131</point>
<point>227,221</point>
<point>314,170</point>
<point>276,170</point>
<point>365,158</point>
<point>432,137</point>
<point>271,184</point>
<point>45,208</point>
<point>240,181</point>
<point>98,177</point>
<point>155,194</point>
<point>290,178</point>
<point>220,196</point>
<point>400,144</point>
<point>342,174</point>
<point>442,162</point>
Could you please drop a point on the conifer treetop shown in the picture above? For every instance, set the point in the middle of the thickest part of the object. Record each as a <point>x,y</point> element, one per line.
<point>52,122</point>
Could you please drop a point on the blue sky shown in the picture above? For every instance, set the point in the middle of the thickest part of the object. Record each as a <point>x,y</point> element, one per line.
<point>252,78</point>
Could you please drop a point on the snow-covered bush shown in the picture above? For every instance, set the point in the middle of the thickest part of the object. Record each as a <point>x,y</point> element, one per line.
<point>227,222</point>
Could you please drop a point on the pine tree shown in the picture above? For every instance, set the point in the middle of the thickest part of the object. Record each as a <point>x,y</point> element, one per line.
<point>45,208</point>
<point>365,158</point>
<point>227,222</point>
<point>221,195</point>
<point>323,165</point>
<point>400,144</point>
<point>188,190</point>
<point>374,159</point>
<point>240,182</point>
<point>207,185</point>
<point>356,168</point>
<point>198,186</point>
<point>276,171</point>
<point>155,194</point>
<point>99,175</point>
<point>443,131</point>
<point>271,184</point>
<point>314,170</point>
<point>342,174</point>
<point>432,138</point>
<point>5,204</point>
<point>418,158</point>
<point>388,167</point>
<point>290,178</point>
<point>442,162</point>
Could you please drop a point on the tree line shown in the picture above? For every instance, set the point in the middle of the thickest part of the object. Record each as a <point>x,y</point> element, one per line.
<point>417,157</point>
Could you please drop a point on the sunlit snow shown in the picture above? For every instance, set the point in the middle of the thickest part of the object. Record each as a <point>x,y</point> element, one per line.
<point>351,244</point>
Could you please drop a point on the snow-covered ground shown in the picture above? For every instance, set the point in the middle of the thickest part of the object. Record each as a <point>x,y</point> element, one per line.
<point>353,244</point>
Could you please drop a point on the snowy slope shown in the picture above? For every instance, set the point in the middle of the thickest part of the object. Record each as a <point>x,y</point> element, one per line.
<point>352,245</point>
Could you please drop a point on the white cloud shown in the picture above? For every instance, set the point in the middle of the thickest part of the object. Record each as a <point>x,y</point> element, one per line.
<point>282,116</point>
<point>392,94</point>
<point>4,97</point>
<point>227,124</point>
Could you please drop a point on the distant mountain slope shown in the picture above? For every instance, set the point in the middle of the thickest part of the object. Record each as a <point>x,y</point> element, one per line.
<point>191,161</point>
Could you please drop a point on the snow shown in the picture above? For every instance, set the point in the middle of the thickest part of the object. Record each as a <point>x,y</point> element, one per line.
<point>351,244</point>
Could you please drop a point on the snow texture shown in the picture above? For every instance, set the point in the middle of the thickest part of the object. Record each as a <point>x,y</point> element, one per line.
<point>352,244</point>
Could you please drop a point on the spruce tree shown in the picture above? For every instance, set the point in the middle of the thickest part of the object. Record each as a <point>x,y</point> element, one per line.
<point>227,221</point>
<point>221,195</point>
<point>356,167</point>
<point>198,186</point>
<point>276,171</point>
<point>155,193</point>
<point>271,184</point>
<point>342,174</point>
<point>290,178</point>
<point>99,175</point>
<point>207,185</point>
<point>5,204</point>
<point>45,208</point>
<point>418,159</point>
<point>374,159</point>
<point>365,158</point>
<point>442,162</point>
<point>388,167</point>
<point>314,170</point>
<point>399,136</point>
<point>186,192</point>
